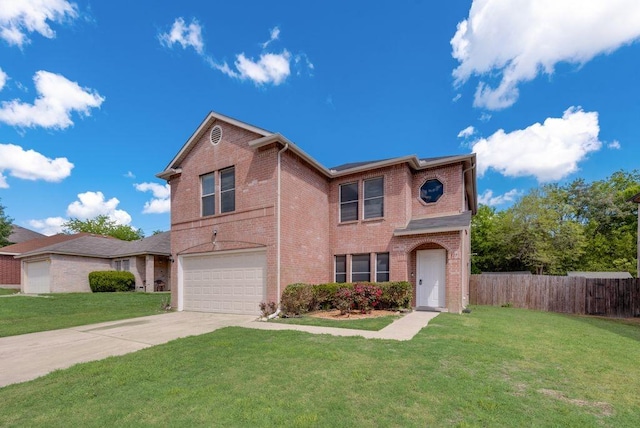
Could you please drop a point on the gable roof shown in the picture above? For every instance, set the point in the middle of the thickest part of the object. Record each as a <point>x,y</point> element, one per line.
<point>468,161</point>
<point>173,166</point>
<point>635,198</point>
<point>20,234</point>
<point>107,247</point>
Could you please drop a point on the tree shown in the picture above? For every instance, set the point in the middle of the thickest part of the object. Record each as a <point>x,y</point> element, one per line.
<point>5,227</point>
<point>103,225</point>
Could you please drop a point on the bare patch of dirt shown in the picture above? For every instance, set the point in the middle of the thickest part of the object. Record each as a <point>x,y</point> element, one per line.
<point>605,409</point>
<point>335,315</point>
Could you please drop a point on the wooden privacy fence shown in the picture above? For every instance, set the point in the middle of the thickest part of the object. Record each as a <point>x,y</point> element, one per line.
<point>574,295</point>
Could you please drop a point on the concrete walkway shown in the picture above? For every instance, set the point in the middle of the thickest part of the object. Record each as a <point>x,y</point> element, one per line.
<point>30,356</point>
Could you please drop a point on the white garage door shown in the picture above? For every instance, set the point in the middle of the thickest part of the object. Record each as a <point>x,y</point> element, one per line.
<point>226,283</point>
<point>37,278</point>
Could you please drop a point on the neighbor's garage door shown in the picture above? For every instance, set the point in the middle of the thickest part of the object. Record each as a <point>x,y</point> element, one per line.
<point>37,278</point>
<point>225,283</point>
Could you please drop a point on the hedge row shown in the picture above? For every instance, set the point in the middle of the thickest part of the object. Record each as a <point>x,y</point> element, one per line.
<point>111,280</point>
<point>298,299</point>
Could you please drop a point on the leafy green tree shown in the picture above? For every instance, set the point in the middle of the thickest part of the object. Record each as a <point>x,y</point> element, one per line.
<point>103,225</point>
<point>5,227</point>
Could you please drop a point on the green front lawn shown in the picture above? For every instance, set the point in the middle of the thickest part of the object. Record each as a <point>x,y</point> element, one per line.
<point>27,314</point>
<point>7,291</point>
<point>494,367</point>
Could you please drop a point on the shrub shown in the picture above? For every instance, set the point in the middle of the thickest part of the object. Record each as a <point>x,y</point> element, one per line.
<point>343,300</point>
<point>111,280</point>
<point>267,309</point>
<point>366,297</point>
<point>296,299</point>
<point>395,295</point>
<point>324,295</point>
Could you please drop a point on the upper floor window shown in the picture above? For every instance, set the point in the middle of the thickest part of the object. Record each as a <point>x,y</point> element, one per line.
<point>227,190</point>
<point>382,267</point>
<point>208,186</point>
<point>431,190</point>
<point>360,267</point>
<point>349,202</point>
<point>341,268</point>
<point>374,198</point>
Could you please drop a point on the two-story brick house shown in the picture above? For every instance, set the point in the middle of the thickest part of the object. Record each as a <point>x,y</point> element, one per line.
<point>251,212</point>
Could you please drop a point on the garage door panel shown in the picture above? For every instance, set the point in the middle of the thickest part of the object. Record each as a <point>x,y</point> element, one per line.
<point>37,278</point>
<point>226,283</point>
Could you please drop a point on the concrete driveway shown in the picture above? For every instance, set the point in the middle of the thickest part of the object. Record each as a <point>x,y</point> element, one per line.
<point>29,356</point>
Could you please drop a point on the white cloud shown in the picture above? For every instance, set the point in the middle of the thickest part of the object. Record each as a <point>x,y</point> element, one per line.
<point>184,35</point>
<point>467,132</point>
<point>92,204</point>
<point>519,39</point>
<point>487,198</point>
<point>456,98</point>
<point>161,202</point>
<point>20,17</point>
<point>130,174</point>
<point>614,145</point>
<point>57,98</point>
<point>31,165</point>
<point>49,226</point>
<point>548,151</point>
<point>3,79</point>
<point>275,33</point>
<point>269,68</point>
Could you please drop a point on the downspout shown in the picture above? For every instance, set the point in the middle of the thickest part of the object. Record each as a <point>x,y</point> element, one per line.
<point>467,271</point>
<point>284,149</point>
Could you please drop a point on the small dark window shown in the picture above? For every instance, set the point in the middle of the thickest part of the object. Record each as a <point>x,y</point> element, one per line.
<point>431,190</point>
<point>349,202</point>
<point>341,268</point>
<point>382,267</point>
<point>374,198</point>
<point>360,267</point>
<point>227,190</point>
<point>208,184</point>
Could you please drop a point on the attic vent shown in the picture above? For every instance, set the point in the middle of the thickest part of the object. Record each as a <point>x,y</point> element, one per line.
<point>216,134</point>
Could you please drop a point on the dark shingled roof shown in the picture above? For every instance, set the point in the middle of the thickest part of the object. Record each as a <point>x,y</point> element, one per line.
<point>34,244</point>
<point>20,234</point>
<point>351,165</point>
<point>107,247</point>
<point>436,224</point>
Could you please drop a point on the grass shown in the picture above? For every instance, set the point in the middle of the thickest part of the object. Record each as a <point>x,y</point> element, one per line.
<point>373,324</point>
<point>26,314</point>
<point>499,367</point>
<point>7,291</point>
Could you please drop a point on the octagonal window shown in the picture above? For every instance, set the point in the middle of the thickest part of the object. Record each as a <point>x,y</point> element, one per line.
<point>431,190</point>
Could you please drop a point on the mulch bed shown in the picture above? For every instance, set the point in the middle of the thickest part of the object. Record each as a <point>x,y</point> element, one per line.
<point>354,315</point>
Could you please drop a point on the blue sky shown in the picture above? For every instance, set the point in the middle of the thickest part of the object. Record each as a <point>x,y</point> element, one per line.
<point>97,97</point>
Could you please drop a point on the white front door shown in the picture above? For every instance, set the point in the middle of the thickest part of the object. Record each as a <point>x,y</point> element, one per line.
<point>430,281</point>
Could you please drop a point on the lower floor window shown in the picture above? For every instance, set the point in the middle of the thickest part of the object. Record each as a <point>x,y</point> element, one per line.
<point>341,268</point>
<point>122,264</point>
<point>382,267</point>
<point>360,267</point>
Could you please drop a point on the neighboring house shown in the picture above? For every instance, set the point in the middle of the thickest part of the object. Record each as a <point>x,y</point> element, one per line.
<point>251,212</point>
<point>601,275</point>
<point>9,265</point>
<point>62,263</point>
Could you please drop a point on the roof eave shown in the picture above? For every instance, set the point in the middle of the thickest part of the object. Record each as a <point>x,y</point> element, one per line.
<point>279,138</point>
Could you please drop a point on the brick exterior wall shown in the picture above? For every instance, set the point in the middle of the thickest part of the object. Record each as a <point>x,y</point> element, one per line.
<point>9,272</point>
<point>311,233</point>
<point>70,274</point>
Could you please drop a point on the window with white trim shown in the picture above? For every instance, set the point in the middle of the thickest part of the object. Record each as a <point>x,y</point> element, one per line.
<point>341,269</point>
<point>208,192</point>
<point>122,265</point>
<point>373,198</point>
<point>349,202</point>
<point>382,267</point>
<point>228,190</point>
<point>360,267</point>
